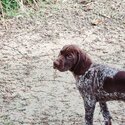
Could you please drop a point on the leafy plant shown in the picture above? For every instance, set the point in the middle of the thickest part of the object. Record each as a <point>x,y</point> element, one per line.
<point>9,5</point>
<point>15,7</point>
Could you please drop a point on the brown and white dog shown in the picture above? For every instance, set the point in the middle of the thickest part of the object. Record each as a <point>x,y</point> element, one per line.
<point>96,82</point>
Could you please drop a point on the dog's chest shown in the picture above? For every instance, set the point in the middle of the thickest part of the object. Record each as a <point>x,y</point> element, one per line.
<point>86,83</point>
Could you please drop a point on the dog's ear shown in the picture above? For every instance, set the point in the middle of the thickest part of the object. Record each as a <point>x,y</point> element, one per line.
<point>82,64</point>
<point>84,59</point>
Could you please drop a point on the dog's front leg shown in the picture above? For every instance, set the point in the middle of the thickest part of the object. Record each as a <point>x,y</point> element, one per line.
<point>105,113</point>
<point>89,104</point>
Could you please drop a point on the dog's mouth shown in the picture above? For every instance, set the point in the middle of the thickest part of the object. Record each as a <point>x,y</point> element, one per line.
<point>60,67</point>
<point>62,70</point>
<point>57,65</point>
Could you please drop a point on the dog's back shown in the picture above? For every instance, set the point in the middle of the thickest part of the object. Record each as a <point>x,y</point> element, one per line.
<point>103,82</point>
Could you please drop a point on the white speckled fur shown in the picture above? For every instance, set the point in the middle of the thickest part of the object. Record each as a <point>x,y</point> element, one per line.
<point>90,86</point>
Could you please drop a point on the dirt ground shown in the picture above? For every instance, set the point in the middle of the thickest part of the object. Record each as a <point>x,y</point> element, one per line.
<point>31,91</point>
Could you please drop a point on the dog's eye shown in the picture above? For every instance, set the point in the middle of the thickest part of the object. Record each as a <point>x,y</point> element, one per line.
<point>68,56</point>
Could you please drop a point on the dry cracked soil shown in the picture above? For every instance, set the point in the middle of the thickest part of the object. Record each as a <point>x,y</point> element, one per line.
<point>31,91</point>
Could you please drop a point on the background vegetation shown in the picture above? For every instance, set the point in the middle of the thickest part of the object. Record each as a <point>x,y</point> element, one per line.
<point>10,8</point>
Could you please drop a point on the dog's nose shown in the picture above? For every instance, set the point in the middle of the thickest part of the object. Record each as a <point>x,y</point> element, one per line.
<point>55,64</point>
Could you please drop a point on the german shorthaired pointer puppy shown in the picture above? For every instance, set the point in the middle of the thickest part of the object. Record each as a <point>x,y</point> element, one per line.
<point>96,82</point>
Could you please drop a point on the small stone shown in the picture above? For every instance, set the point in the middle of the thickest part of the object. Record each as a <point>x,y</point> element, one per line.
<point>87,8</point>
<point>96,22</point>
<point>84,1</point>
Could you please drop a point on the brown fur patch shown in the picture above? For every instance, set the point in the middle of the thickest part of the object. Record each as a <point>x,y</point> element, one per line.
<point>115,84</point>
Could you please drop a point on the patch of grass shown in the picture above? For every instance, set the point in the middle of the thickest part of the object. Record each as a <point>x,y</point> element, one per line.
<point>12,7</point>
<point>9,5</point>
<point>6,121</point>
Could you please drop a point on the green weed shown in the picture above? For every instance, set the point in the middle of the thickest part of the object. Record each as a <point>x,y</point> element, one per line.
<point>12,7</point>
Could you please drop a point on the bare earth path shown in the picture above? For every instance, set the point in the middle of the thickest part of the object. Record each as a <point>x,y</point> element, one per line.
<point>31,92</point>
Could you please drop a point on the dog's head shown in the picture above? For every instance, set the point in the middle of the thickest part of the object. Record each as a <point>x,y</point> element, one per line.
<point>72,58</point>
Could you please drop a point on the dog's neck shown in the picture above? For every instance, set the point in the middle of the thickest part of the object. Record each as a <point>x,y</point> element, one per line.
<point>82,64</point>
